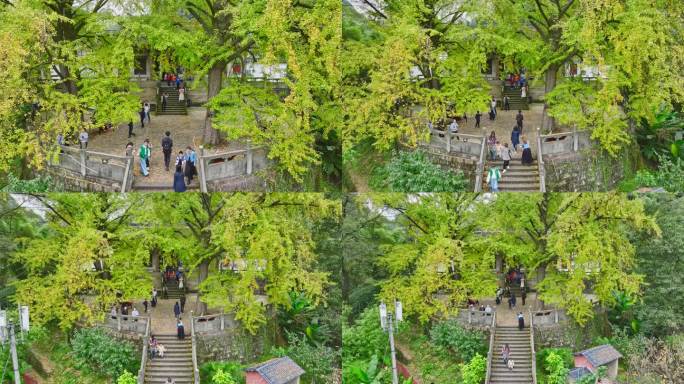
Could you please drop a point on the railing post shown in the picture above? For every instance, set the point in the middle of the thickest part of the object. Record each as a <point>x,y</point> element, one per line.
<point>202,173</point>
<point>575,138</point>
<point>83,161</point>
<point>118,321</point>
<point>555,312</point>
<point>470,317</point>
<point>448,141</point>
<point>249,158</point>
<point>223,325</point>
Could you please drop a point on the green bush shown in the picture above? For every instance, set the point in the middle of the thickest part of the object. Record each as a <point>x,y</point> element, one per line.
<point>127,378</point>
<point>365,338</point>
<point>221,377</point>
<point>564,353</point>
<point>669,176</point>
<point>413,172</point>
<point>98,352</point>
<point>557,372</point>
<point>210,369</point>
<point>317,360</point>
<point>475,371</point>
<point>450,336</point>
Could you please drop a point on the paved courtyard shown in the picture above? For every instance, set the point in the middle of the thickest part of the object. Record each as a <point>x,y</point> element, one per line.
<point>185,130</point>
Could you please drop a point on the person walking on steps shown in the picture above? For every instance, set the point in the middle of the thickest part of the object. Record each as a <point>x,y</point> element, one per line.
<point>170,381</point>
<point>505,353</point>
<point>180,330</point>
<point>493,108</point>
<point>505,156</point>
<point>164,101</point>
<point>144,154</point>
<point>507,103</point>
<point>515,138</point>
<point>182,303</point>
<point>519,120</point>
<point>177,310</point>
<point>511,301</point>
<point>142,117</point>
<point>493,177</point>
<point>491,145</point>
<point>146,108</point>
<point>523,296</point>
<point>521,321</point>
<point>527,152</point>
<point>478,116</point>
<point>190,159</point>
<point>130,129</point>
<point>179,179</point>
<point>154,297</point>
<point>167,147</point>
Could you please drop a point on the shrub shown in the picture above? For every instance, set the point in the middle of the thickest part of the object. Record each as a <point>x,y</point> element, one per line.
<point>365,338</point>
<point>317,360</point>
<point>413,172</point>
<point>450,336</point>
<point>221,377</point>
<point>564,353</point>
<point>556,369</point>
<point>127,378</point>
<point>209,370</point>
<point>98,352</point>
<point>475,371</point>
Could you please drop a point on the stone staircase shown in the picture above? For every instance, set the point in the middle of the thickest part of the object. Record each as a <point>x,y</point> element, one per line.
<point>176,364</point>
<point>521,353</point>
<point>515,100</point>
<point>518,177</point>
<point>173,106</point>
<point>174,292</point>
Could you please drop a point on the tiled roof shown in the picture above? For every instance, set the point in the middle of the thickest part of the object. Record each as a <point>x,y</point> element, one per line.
<point>578,373</point>
<point>277,371</point>
<point>603,354</point>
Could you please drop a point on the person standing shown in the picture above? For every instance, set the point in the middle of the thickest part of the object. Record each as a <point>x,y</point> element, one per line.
<point>491,145</point>
<point>478,116</point>
<point>164,101</point>
<point>182,303</point>
<point>179,179</point>
<point>511,301</point>
<point>181,95</point>
<point>146,108</point>
<point>129,149</point>
<point>142,117</point>
<point>453,128</point>
<point>507,103</point>
<point>523,93</point>
<point>521,321</point>
<point>176,310</point>
<point>130,129</point>
<point>146,304</point>
<point>180,329</point>
<point>527,152</point>
<point>505,353</point>
<point>493,107</point>
<point>167,147</point>
<point>83,139</point>
<point>190,159</point>
<point>505,156</point>
<point>170,381</point>
<point>519,120</point>
<point>523,296</point>
<point>515,138</point>
<point>493,177</point>
<point>144,154</point>
<point>154,297</point>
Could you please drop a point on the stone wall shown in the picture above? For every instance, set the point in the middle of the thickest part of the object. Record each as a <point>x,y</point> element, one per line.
<point>69,181</point>
<point>252,183</point>
<point>451,162</point>
<point>586,170</point>
<point>235,344</point>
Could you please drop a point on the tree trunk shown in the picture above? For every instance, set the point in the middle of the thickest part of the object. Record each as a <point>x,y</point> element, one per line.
<point>499,263</point>
<point>541,274</point>
<point>215,82</point>
<point>203,273</point>
<point>154,253</point>
<point>548,122</point>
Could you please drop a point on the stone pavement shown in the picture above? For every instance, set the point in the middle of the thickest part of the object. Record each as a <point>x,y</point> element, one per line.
<point>509,317</point>
<point>185,130</point>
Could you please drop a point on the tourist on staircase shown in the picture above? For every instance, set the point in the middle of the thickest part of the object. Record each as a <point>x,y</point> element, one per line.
<point>511,301</point>
<point>492,111</point>
<point>144,153</point>
<point>170,381</point>
<point>505,156</point>
<point>181,95</point>
<point>527,152</point>
<point>182,303</point>
<point>190,159</point>
<point>505,353</point>
<point>176,310</point>
<point>478,116</point>
<point>167,147</point>
<point>164,101</point>
<point>154,297</point>
<point>515,138</point>
<point>507,103</point>
<point>493,177</point>
<point>146,108</point>
<point>491,145</point>
<point>142,116</point>
<point>180,330</point>
<point>521,321</point>
<point>153,346</point>
<point>519,120</point>
<point>179,179</point>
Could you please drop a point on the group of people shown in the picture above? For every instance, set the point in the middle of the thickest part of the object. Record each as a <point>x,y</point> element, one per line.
<point>185,163</point>
<point>157,349</point>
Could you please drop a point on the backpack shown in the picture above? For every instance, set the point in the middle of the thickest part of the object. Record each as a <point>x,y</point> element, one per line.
<point>167,143</point>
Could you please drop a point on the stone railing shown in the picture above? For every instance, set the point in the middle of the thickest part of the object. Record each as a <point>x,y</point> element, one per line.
<point>458,143</point>
<point>115,170</point>
<point>227,165</point>
<point>490,354</point>
<point>466,316</point>
<point>540,165</point>
<point>195,369</point>
<point>480,166</point>
<point>563,142</point>
<point>143,359</point>
<point>127,323</point>
<point>546,317</point>
<point>534,354</point>
<point>212,323</point>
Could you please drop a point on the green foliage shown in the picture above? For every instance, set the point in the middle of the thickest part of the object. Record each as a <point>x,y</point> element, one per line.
<point>449,335</point>
<point>474,372</point>
<point>359,373</point>
<point>232,369</point>
<point>542,355</point>
<point>221,377</point>
<point>37,185</point>
<point>557,372</point>
<point>657,138</point>
<point>317,360</point>
<point>413,172</point>
<point>128,378</point>
<point>669,176</point>
<point>365,338</point>
<point>97,351</point>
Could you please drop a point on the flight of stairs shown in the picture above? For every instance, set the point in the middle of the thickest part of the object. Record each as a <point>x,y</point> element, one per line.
<point>176,364</point>
<point>518,177</point>
<point>521,354</point>
<point>174,292</point>
<point>173,106</point>
<point>140,185</point>
<point>515,100</point>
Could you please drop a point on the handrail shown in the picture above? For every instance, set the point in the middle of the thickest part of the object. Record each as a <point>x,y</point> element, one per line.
<point>559,134</point>
<point>67,148</point>
<point>534,354</point>
<point>143,362</point>
<point>540,165</point>
<point>490,354</point>
<point>228,153</point>
<point>128,172</point>
<point>193,337</point>
<point>480,165</point>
